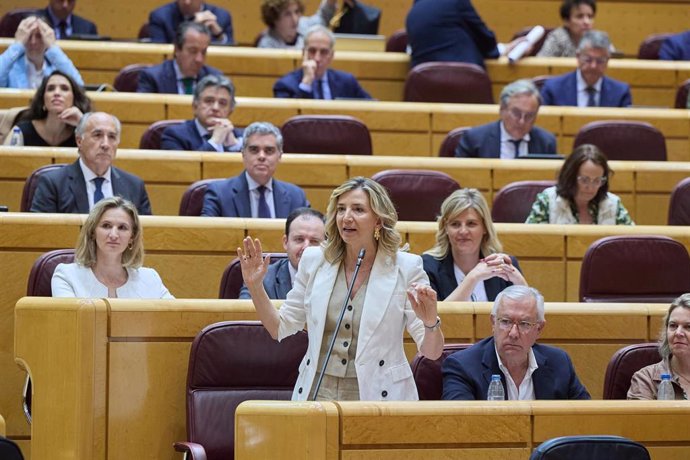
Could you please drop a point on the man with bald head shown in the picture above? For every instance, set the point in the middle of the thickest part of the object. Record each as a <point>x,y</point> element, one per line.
<point>76,187</point>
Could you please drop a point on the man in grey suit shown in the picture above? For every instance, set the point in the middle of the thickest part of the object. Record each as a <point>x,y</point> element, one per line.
<point>514,135</point>
<point>76,187</point>
<point>255,193</point>
<point>304,227</point>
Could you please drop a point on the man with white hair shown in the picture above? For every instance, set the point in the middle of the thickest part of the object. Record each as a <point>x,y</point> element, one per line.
<point>528,370</point>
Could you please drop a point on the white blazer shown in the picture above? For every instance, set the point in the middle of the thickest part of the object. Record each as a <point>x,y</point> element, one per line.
<point>74,280</point>
<point>383,372</point>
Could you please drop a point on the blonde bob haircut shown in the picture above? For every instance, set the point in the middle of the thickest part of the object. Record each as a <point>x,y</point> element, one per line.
<point>458,202</point>
<point>86,250</point>
<point>664,347</point>
<point>381,205</point>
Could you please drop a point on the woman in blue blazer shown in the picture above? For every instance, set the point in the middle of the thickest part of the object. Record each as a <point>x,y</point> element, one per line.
<point>466,262</point>
<point>391,294</point>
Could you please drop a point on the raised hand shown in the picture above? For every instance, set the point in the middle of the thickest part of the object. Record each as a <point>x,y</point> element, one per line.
<point>24,30</point>
<point>208,19</point>
<point>71,116</point>
<point>424,302</point>
<point>47,33</point>
<point>308,71</point>
<point>252,262</point>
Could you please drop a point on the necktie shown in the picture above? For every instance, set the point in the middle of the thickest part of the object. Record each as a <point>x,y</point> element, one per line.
<point>322,87</point>
<point>318,92</point>
<point>264,212</point>
<point>591,93</point>
<point>516,143</point>
<point>62,26</point>
<point>188,83</point>
<point>98,194</point>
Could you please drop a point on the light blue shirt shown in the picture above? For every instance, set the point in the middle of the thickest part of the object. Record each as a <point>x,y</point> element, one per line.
<point>15,74</point>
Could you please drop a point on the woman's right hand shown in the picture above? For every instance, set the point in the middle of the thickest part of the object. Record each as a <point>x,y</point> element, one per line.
<point>252,262</point>
<point>71,116</point>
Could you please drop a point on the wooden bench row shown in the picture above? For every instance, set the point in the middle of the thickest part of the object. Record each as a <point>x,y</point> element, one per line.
<point>645,187</point>
<point>397,129</point>
<point>627,21</point>
<point>109,375</point>
<point>254,71</point>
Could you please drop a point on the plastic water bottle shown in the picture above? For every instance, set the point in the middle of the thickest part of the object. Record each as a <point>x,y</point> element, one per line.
<point>496,392</point>
<point>665,391</point>
<point>17,138</point>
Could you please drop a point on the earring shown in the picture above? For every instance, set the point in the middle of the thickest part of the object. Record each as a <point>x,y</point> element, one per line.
<point>131,245</point>
<point>377,234</point>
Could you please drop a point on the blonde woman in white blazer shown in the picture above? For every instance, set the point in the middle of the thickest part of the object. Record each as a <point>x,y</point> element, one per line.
<point>391,294</point>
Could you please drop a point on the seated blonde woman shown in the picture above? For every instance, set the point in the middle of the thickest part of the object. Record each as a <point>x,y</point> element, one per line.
<point>466,262</point>
<point>109,255</point>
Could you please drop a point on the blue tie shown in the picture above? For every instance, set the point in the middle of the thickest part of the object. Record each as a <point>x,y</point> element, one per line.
<point>98,194</point>
<point>591,96</point>
<point>516,143</point>
<point>264,212</point>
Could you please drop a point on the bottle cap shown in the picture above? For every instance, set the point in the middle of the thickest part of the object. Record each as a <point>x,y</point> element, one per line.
<point>495,377</point>
<point>665,376</point>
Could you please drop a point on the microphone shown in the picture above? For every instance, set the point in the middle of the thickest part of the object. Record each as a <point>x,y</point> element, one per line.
<point>532,37</point>
<point>360,257</point>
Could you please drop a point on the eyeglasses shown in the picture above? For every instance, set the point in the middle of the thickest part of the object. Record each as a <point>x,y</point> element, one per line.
<point>518,115</point>
<point>597,181</point>
<point>585,59</point>
<point>506,324</point>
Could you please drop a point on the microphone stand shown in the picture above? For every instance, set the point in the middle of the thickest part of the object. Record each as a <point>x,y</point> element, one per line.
<point>340,320</point>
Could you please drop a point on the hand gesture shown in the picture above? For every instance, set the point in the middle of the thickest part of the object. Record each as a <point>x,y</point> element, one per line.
<point>252,262</point>
<point>308,71</point>
<point>24,30</point>
<point>47,33</point>
<point>501,265</point>
<point>423,300</point>
<point>223,132</point>
<point>71,116</point>
<point>208,19</point>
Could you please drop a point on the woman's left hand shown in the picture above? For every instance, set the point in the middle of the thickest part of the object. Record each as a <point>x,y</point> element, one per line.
<point>503,267</point>
<point>71,116</point>
<point>423,300</point>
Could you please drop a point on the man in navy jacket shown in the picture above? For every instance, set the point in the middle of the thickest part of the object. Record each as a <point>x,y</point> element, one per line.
<point>588,86</point>
<point>181,74</point>
<point>676,47</point>
<point>59,16</point>
<point>528,370</point>
<point>164,21</point>
<point>315,80</point>
<point>514,135</point>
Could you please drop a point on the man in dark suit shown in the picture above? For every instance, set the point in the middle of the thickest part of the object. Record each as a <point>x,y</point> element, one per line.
<point>211,130</point>
<point>164,21</point>
<point>304,227</point>
<point>676,47</point>
<point>255,193</point>
<point>528,370</point>
<point>76,187</point>
<point>181,74</point>
<point>588,86</point>
<point>60,17</point>
<point>315,80</point>
<point>514,135</point>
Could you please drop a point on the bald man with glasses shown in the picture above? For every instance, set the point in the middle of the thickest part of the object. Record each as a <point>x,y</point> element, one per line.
<point>514,135</point>
<point>528,370</point>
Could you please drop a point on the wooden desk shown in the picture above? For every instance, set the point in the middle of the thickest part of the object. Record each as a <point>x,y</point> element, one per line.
<point>439,430</point>
<point>109,375</point>
<point>645,187</point>
<point>627,21</point>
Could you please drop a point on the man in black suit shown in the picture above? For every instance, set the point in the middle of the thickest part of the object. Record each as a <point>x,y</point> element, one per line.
<point>514,135</point>
<point>211,129</point>
<point>181,74</point>
<point>315,80</point>
<point>76,187</point>
<point>164,21</point>
<point>304,227</point>
<point>60,17</point>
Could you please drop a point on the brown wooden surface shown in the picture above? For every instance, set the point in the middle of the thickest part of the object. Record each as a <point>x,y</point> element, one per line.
<point>119,366</point>
<point>627,21</point>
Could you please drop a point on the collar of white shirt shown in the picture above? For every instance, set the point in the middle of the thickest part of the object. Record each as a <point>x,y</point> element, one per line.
<point>508,148</point>
<point>526,390</point>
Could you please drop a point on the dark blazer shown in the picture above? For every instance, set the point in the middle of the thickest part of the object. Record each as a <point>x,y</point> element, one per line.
<point>276,282</point>
<point>230,198</point>
<point>467,373</point>
<point>80,26</point>
<point>64,191</point>
<point>161,78</point>
<point>163,23</point>
<point>342,85</point>
<point>442,277</point>
<point>562,90</point>
<point>450,31</point>
<point>185,136</point>
<point>485,142</point>
<point>676,47</point>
